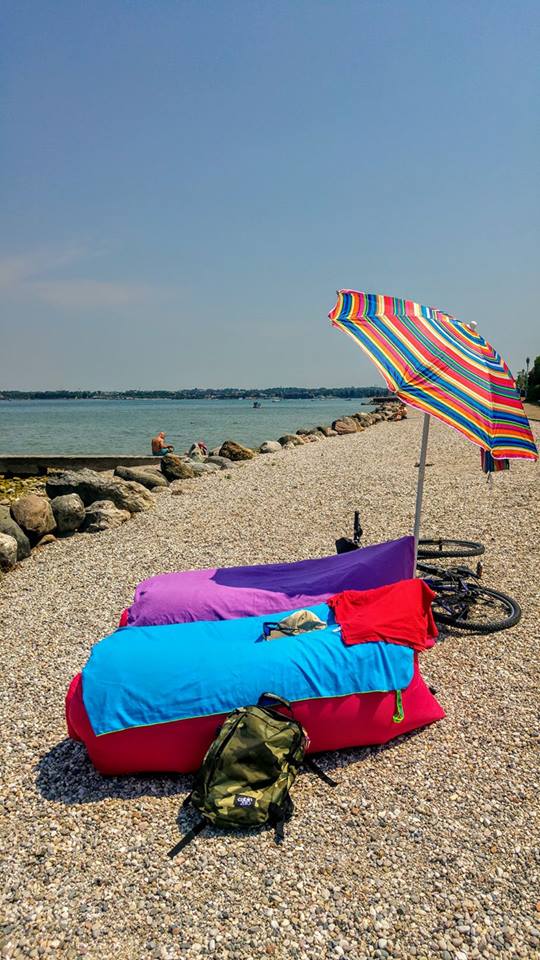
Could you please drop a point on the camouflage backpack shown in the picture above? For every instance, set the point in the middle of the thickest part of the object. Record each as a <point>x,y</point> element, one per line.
<point>249,769</point>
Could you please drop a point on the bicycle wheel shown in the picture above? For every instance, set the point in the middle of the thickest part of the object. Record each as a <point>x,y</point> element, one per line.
<point>433,549</point>
<point>482,610</point>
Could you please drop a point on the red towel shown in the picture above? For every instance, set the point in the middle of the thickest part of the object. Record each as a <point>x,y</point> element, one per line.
<point>400,613</point>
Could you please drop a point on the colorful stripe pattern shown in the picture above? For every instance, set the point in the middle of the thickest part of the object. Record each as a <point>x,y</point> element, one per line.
<point>440,365</point>
<point>489,465</point>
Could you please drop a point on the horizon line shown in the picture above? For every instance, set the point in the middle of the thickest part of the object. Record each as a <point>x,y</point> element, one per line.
<point>367,386</point>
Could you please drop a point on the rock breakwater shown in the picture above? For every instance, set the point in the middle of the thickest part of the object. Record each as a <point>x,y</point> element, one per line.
<point>39,511</point>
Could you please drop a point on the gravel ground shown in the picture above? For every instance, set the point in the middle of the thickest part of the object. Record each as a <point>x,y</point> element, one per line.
<point>427,848</point>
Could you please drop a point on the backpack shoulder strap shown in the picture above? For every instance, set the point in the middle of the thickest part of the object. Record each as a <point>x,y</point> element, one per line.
<point>187,838</point>
<point>315,768</point>
<point>278,816</point>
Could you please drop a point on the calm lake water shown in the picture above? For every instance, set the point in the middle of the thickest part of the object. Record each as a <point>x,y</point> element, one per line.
<point>126,426</point>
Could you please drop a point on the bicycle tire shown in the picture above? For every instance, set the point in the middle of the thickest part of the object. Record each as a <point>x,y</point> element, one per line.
<point>512,617</point>
<point>441,548</point>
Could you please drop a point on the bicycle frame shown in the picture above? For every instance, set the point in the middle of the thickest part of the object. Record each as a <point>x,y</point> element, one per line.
<point>454,594</point>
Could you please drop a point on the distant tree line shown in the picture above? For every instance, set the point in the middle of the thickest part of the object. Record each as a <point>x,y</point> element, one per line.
<point>533,382</point>
<point>528,381</point>
<point>197,393</point>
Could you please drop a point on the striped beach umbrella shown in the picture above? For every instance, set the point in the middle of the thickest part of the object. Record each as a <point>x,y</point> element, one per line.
<point>443,367</point>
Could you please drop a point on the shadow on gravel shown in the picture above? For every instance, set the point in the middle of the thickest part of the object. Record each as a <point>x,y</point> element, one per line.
<point>334,761</point>
<point>331,763</point>
<point>66,775</point>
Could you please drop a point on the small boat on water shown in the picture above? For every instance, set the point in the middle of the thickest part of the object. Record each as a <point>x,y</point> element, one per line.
<point>256,405</point>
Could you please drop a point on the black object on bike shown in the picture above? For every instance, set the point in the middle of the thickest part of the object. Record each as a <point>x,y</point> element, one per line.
<point>345,544</point>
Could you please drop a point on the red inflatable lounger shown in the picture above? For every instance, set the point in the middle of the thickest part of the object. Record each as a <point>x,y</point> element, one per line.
<point>350,721</point>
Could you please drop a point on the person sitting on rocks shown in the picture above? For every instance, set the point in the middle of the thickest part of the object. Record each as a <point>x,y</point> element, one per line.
<point>159,447</point>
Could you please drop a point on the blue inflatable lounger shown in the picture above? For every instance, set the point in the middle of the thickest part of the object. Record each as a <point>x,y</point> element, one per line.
<point>150,698</point>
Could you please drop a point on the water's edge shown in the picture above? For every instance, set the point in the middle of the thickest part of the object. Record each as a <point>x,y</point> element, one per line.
<point>124,427</point>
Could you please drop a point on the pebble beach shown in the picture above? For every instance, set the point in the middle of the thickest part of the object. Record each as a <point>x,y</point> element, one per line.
<point>428,847</point>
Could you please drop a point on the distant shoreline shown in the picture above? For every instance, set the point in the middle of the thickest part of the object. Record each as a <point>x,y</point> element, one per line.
<point>227,393</point>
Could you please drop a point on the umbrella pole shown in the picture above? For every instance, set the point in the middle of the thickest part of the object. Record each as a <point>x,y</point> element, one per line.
<point>420,485</point>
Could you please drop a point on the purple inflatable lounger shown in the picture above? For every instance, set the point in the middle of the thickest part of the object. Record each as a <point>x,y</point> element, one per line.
<point>229,592</point>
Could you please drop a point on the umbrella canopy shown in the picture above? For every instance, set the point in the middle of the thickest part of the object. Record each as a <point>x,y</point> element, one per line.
<point>442,366</point>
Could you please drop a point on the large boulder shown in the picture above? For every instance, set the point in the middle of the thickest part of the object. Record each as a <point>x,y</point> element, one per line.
<point>68,512</point>
<point>92,486</point>
<point>133,497</point>
<point>346,425</point>
<point>235,451</point>
<point>222,462</point>
<point>104,515</point>
<point>392,411</point>
<point>12,529</point>
<point>327,431</point>
<point>364,419</point>
<point>34,515</point>
<point>8,551</point>
<point>200,468</point>
<point>270,446</point>
<point>174,468</point>
<point>400,413</point>
<point>293,438</point>
<point>147,476</point>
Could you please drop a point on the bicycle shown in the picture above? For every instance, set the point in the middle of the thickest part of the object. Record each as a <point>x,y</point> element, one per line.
<point>460,601</point>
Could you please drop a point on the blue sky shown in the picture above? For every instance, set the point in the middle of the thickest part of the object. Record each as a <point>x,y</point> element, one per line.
<point>184,185</point>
